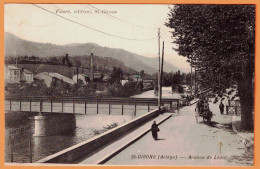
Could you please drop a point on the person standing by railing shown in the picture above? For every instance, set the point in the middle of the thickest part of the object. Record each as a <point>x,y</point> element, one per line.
<point>221,108</point>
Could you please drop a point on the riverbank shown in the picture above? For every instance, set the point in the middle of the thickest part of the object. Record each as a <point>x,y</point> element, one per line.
<point>87,126</point>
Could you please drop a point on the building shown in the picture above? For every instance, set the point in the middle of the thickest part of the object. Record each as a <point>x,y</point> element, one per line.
<point>98,77</point>
<point>50,77</point>
<point>12,74</point>
<point>137,78</point>
<point>123,82</point>
<point>83,77</point>
<point>106,77</point>
<point>148,83</point>
<point>27,76</point>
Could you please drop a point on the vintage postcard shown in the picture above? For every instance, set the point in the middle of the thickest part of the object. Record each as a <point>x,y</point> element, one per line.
<point>129,84</point>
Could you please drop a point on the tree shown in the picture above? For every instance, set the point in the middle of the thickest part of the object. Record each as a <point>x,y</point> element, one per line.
<point>116,75</point>
<point>66,61</point>
<point>54,60</point>
<point>78,63</point>
<point>219,40</point>
<point>142,73</point>
<point>171,78</point>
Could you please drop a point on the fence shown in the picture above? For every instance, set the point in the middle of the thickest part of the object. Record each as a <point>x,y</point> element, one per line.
<point>18,136</point>
<point>123,106</point>
<point>233,107</point>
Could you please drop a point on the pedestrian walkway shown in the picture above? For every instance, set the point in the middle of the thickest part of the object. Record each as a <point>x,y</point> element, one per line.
<point>183,142</point>
<point>120,144</point>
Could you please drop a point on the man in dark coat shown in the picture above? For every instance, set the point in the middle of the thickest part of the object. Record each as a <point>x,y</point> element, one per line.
<point>221,108</point>
<point>155,130</point>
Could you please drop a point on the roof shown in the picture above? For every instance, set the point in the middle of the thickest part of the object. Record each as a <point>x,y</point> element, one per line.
<point>59,76</point>
<point>13,67</point>
<point>63,78</point>
<point>27,71</point>
<point>84,75</point>
<point>16,68</point>
<point>10,81</point>
<point>137,76</point>
<point>96,75</point>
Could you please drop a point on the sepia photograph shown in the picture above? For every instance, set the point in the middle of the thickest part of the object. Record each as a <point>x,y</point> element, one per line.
<point>129,84</point>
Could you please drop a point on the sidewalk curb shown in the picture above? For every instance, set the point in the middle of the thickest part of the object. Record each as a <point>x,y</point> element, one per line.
<point>117,151</point>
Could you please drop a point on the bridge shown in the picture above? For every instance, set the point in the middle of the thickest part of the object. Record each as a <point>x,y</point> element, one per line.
<point>63,111</point>
<point>84,105</point>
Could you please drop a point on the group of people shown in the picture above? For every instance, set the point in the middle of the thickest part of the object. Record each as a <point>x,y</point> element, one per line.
<point>202,106</point>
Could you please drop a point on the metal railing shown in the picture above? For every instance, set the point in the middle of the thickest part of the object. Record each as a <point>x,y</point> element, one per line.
<point>83,105</point>
<point>233,108</point>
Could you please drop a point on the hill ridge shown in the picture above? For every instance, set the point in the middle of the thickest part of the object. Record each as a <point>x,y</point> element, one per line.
<point>132,60</point>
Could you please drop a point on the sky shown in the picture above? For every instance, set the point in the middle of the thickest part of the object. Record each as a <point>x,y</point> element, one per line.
<point>127,21</point>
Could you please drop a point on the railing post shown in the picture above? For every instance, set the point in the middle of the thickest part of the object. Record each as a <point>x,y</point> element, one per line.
<point>62,107</point>
<point>40,106</point>
<point>97,107</point>
<point>85,107</point>
<point>20,105</point>
<point>122,108</point>
<point>148,106</point>
<point>73,105</point>
<point>30,105</point>
<point>135,108</point>
<point>109,108</point>
<point>51,106</point>
<point>10,104</point>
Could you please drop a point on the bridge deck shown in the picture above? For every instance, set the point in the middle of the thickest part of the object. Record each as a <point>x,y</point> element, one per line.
<point>81,105</point>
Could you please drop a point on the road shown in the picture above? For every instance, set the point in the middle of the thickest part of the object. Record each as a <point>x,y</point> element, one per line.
<point>184,142</point>
<point>166,94</point>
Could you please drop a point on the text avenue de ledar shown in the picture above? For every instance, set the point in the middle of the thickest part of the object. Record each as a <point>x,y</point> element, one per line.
<point>175,157</point>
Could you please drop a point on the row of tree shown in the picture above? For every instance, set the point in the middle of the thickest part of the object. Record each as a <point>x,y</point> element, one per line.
<point>59,89</point>
<point>219,40</point>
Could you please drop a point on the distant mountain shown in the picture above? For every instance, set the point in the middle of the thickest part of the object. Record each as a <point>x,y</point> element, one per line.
<point>15,46</point>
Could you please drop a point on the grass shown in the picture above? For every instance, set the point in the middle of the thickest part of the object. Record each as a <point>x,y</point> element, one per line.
<point>105,128</point>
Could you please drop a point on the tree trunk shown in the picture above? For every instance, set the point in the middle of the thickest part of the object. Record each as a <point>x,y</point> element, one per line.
<point>245,93</point>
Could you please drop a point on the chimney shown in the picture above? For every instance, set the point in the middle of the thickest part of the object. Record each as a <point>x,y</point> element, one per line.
<point>91,68</point>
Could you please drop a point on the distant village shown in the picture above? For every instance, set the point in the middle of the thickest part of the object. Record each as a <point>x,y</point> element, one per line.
<point>15,75</point>
<point>81,76</point>
<point>21,79</point>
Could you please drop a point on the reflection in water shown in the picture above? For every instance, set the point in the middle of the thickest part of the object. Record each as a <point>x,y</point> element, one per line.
<point>47,145</point>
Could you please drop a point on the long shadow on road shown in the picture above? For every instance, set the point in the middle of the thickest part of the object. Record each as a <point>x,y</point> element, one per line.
<point>226,126</point>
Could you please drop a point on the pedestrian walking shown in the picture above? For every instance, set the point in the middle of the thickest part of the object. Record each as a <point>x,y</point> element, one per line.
<point>155,130</point>
<point>221,108</point>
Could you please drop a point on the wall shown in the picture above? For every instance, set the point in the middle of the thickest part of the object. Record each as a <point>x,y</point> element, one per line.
<point>12,119</point>
<point>72,154</point>
<point>54,124</point>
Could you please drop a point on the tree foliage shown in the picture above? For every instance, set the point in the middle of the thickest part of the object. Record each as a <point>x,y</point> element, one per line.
<point>171,78</point>
<point>116,75</point>
<point>128,89</point>
<point>219,40</point>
